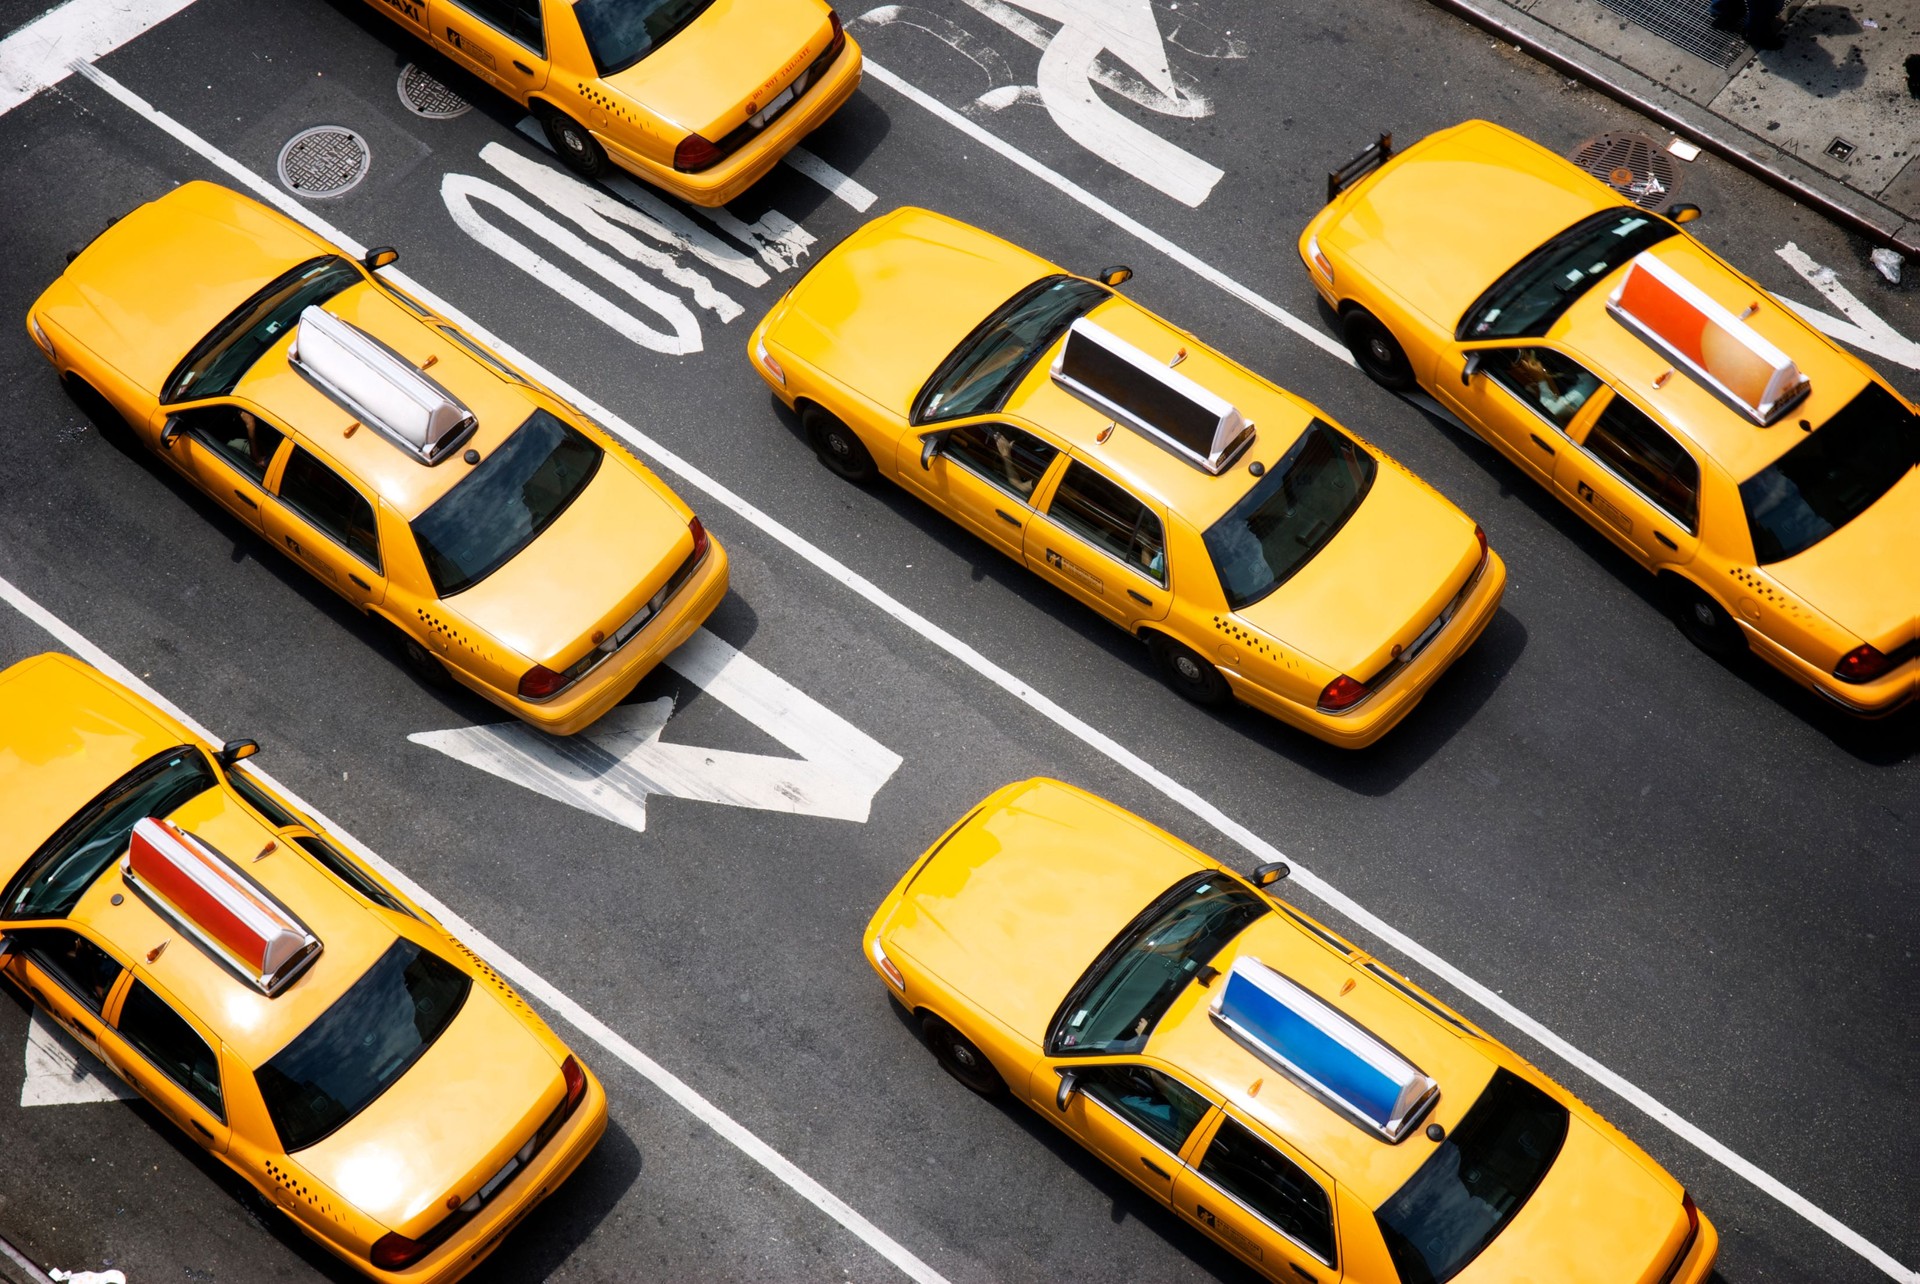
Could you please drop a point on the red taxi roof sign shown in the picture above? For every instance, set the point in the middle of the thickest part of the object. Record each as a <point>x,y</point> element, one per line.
<point>207,896</point>
<point>1717,348</point>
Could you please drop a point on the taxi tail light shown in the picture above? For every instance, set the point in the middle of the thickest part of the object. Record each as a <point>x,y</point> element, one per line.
<point>701,541</point>
<point>839,39</point>
<point>1481,536</point>
<point>1862,664</point>
<point>696,153</point>
<point>1342,693</point>
<point>393,1252</point>
<point>539,682</point>
<point>576,1084</point>
<point>1686,1245</point>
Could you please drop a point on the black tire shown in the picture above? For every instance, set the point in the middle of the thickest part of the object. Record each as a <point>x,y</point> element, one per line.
<point>838,446</point>
<point>112,428</point>
<point>1379,354</point>
<point>1188,672</point>
<point>577,149</point>
<point>1704,621</point>
<point>959,1057</point>
<point>420,662</point>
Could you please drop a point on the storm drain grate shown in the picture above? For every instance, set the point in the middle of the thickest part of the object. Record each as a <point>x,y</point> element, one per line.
<point>424,95</point>
<point>1631,164</point>
<point>1685,23</point>
<point>324,161</point>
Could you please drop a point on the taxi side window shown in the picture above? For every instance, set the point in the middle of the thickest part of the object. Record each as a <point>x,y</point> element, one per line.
<point>83,967</point>
<point>1544,380</point>
<point>1273,1186</point>
<point>1014,461</point>
<point>1647,458</point>
<point>1110,519</point>
<point>1162,1107</point>
<point>517,18</point>
<point>175,1048</point>
<point>322,497</point>
<point>239,436</point>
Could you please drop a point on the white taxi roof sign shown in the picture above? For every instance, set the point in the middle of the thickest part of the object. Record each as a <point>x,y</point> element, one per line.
<point>1163,405</point>
<point>378,386</point>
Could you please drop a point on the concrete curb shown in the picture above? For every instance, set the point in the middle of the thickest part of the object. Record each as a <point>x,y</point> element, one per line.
<point>1692,122</point>
<point>16,1269</point>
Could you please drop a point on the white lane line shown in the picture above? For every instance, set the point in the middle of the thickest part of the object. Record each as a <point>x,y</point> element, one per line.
<point>529,981</point>
<point>42,52</point>
<point>832,179</point>
<point>1048,708</point>
<point>1125,222</point>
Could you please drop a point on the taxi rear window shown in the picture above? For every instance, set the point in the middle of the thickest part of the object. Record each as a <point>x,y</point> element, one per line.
<point>621,32</point>
<point>1531,296</point>
<point>339,1065</point>
<point>1290,514</point>
<point>1832,476</point>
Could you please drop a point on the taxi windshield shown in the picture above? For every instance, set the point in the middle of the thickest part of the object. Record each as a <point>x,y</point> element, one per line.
<point>494,512</point>
<point>1832,476</point>
<point>218,361</point>
<point>55,877</point>
<point>341,1063</point>
<point>1531,296</point>
<point>988,365</point>
<point>1132,984</point>
<point>1469,1188</point>
<point>621,32</point>
<point>1290,513</point>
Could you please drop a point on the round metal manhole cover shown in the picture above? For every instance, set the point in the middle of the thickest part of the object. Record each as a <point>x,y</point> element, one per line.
<point>1633,165</point>
<point>324,161</point>
<point>424,95</point>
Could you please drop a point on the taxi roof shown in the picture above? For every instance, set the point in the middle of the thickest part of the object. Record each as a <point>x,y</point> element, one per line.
<point>1278,417</point>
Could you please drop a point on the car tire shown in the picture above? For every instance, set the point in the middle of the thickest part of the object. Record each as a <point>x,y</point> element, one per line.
<point>577,149</point>
<point>1378,353</point>
<point>1704,621</point>
<point>1188,672</point>
<point>959,1057</point>
<point>421,662</point>
<point>838,446</point>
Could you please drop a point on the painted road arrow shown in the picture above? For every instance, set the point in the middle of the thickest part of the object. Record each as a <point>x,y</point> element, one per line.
<point>612,767</point>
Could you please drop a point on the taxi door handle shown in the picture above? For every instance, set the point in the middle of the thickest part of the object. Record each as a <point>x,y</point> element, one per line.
<point>1005,516</point>
<point>1541,442</point>
<point>245,498</point>
<point>201,1129</point>
<point>1156,1168</point>
<point>1304,1273</point>
<point>357,580</point>
<point>293,544</point>
<point>1664,540</point>
<point>1141,598</point>
<point>522,67</point>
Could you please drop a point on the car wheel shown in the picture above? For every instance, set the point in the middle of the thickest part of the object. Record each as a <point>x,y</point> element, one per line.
<point>580,151</point>
<point>838,446</point>
<point>1379,354</point>
<point>1188,672</point>
<point>959,1057</point>
<point>422,663</point>
<point>1705,622</point>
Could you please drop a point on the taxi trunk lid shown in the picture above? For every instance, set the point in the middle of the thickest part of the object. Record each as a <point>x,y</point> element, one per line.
<point>1865,576</point>
<point>727,64</point>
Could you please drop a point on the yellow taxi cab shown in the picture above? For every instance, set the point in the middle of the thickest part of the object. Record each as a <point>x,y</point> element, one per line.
<point>1295,1100</point>
<point>289,1010</point>
<point>506,539</point>
<point>700,97</point>
<point>1767,476</point>
<point>1259,549</point>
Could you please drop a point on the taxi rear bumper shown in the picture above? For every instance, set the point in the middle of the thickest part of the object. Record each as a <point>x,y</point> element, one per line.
<point>1876,699</point>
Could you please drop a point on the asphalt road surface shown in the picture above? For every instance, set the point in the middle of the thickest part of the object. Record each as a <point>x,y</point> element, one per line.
<point>1691,872</point>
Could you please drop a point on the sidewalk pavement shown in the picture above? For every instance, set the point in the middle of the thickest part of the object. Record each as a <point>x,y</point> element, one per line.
<point>1833,116</point>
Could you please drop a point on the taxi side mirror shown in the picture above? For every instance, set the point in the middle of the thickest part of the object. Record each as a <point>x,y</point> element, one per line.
<point>1470,369</point>
<point>1116,275</point>
<point>929,447</point>
<point>236,751</point>
<point>1684,213</point>
<point>1270,873</point>
<point>380,256</point>
<point>1069,1084</point>
<point>171,433</point>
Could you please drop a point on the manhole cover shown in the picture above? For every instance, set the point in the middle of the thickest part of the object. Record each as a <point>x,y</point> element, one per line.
<point>1631,164</point>
<point>324,161</point>
<point>423,95</point>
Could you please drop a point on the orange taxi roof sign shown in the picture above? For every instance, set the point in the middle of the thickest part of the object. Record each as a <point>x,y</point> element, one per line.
<point>1717,348</point>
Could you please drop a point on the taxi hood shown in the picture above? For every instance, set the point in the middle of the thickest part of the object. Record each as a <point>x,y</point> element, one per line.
<point>614,547</point>
<point>886,306</point>
<point>727,63</point>
<point>1865,576</point>
<point>1378,583</point>
<point>158,280</point>
<point>1021,899</point>
<point>448,1124</point>
<point>1599,1216</point>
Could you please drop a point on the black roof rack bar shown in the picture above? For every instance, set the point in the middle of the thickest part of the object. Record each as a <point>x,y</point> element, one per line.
<point>1376,154</point>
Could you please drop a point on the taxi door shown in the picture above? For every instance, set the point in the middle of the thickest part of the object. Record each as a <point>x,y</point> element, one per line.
<point>70,976</point>
<point>225,449</point>
<point>170,1061</point>
<point>502,41</point>
<point>1267,1206</point>
<point>1634,482</point>
<point>323,522</point>
<point>1104,545</point>
<point>983,475</point>
<point>1522,397</point>
<point>1136,1117</point>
